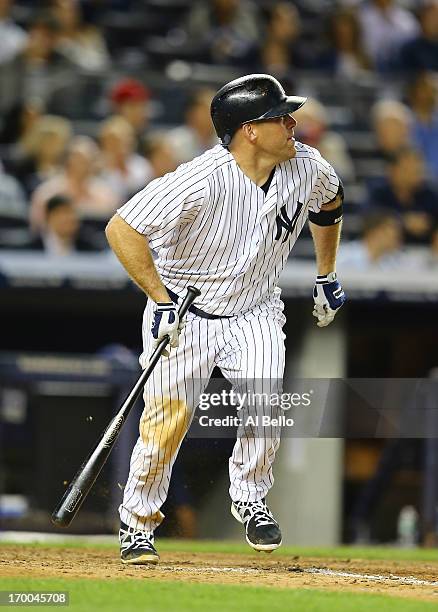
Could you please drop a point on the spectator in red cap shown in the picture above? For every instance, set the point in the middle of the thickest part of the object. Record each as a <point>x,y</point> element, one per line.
<point>130,100</point>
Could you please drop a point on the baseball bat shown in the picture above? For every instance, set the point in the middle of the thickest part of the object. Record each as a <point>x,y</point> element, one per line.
<point>86,476</point>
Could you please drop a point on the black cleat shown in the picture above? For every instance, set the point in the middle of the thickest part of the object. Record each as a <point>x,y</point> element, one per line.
<point>262,530</point>
<point>137,547</point>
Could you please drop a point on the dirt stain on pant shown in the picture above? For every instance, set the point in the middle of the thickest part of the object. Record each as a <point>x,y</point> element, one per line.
<point>163,425</point>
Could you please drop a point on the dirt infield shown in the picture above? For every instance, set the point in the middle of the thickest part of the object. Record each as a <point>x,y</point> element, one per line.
<point>417,580</point>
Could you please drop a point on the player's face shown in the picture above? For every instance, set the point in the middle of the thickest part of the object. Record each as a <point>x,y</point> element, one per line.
<point>276,137</point>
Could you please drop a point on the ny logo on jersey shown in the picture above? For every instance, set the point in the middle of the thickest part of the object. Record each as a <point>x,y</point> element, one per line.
<point>283,222</point>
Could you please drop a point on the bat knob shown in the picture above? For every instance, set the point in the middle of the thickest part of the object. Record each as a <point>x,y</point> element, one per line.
<point>194,291</point>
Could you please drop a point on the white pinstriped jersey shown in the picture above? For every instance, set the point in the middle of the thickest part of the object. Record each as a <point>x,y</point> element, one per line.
<point>214,228</point>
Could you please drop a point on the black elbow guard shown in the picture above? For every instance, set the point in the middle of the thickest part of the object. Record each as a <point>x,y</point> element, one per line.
<point>327,217</point>
<point>330,217</point>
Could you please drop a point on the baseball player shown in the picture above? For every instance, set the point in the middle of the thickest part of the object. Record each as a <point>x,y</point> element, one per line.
<point>225,223</point>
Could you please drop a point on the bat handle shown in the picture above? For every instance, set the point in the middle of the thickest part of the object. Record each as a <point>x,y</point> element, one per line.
<point>191,295</point>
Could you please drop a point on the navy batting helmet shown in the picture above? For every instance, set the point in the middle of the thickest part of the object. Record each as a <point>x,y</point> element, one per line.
<point>254,97</point>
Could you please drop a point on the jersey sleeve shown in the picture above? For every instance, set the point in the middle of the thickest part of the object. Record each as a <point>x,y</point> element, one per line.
<point>326,187</point>
<point>166,204</point>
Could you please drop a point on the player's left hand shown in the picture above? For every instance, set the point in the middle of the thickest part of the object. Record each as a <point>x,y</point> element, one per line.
<point>328,296</point>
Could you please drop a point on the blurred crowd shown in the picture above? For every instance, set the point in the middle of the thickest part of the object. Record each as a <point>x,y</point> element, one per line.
<point>81,92</point>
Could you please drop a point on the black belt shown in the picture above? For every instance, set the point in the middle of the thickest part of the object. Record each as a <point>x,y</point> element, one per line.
<point>196,311</point>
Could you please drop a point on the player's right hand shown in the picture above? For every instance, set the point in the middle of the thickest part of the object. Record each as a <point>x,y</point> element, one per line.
<point>166,322</point>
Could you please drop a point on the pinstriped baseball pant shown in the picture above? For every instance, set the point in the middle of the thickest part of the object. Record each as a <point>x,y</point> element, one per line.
<point>245,347</point>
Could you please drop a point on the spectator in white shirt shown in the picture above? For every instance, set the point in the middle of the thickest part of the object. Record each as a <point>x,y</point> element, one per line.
<point>40,155</point>
<point>81,42</point>
<point>79,180</point>
<point>160,154</point>
<point>13,204</point>
<point>13,38</point>
<point>123,170</point>
<point>386,26</point>
<point>196,134</point>
<point>392,121</point>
